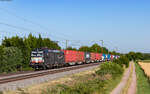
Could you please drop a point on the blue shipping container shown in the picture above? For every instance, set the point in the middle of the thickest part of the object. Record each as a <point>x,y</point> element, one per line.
<point>108,57</point>
<point>104,57</point>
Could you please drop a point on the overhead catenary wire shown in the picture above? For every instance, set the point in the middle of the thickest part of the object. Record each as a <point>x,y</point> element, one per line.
<point>31,22</point>
<point>49,34</point>
<point>26,29</point>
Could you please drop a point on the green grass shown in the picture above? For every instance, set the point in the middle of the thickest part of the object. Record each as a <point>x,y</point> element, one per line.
<point>143,85</point>
<point>1,92</point>
<point>102,82</point>
<point>111,84</point>
<point>95,86</point>
<point>145,61</point>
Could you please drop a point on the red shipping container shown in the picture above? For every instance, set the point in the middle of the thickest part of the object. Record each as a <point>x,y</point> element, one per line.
<point>98,56</point>
<point>93,56</point>
<point>70,56</point>
<point>112,57</point>
<point>80,56</point>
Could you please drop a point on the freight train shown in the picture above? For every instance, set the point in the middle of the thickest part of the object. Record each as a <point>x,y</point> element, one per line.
<point>44,58</point>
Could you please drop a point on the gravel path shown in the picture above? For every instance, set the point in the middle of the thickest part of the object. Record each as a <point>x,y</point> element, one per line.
<point>122,84</point>
<point>132,88</point>
<point>37,80</point>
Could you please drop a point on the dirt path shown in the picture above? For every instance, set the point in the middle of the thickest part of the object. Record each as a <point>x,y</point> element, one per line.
<point>132,88</point>
<point>128,82</point>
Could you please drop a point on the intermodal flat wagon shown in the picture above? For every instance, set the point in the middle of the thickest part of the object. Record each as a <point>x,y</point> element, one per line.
<point>93,57</point>
<point>108,57</point>
<point>98,56</point>
<point>46,58</point>
<point>70,57</point>
<point>112,57</point>
<point>79,57</point>
<point>104,57</point>
<point>87,57</point>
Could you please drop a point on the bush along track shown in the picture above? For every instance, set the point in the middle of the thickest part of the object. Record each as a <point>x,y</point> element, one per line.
<point>143,85</point>
<point>101,82</point>
<point>128,82</point>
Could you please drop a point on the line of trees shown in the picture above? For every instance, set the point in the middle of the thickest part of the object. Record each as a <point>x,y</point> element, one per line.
<point>15,51</point>
<point>94,48</point>
<point>138,56</point>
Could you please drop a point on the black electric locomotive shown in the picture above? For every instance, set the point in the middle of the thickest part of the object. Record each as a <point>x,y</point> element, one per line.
<point>43,58</point>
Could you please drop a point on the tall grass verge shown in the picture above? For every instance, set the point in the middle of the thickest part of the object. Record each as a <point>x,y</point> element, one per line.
<point>143,85</point>
<point>101,82</point>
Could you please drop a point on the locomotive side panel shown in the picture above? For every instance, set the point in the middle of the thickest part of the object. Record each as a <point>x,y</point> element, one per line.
<point>54,58</point>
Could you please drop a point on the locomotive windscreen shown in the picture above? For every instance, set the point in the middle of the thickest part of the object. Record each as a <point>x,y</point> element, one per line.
<point>37,57</point>
<point>36,53</point>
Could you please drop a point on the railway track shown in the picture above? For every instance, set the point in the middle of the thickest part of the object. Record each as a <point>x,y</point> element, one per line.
<point>42,73</point>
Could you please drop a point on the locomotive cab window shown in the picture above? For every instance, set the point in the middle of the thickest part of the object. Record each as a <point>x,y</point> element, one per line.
<point>36,54</point>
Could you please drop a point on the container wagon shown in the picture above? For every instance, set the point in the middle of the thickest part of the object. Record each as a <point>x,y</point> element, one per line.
<point>93,57</point>
<point>98,57</point>
<point>43,58</point>
<point>70,57</point>
<point>112,57</point>
<point>87,57</point>
<point>104,57</point>
<point>79,57</point>
<point>108,57</point>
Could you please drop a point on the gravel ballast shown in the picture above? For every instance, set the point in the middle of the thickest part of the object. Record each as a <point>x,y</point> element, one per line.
<point>37,80</point>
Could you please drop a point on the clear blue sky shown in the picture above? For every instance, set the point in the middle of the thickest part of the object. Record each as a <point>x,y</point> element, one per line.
<point>124,24</point>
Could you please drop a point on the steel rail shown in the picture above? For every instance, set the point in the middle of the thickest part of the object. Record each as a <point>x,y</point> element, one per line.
<point>27,76</point>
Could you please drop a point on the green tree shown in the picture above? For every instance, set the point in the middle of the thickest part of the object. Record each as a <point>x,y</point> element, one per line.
<point>1,53</point>
<point>139,56</point>
<point>85,49</point>
<point>105,50</point>
<point>40,42</point>
<point>135,56</point>
<point>123,60</point>
<point>14,41</point>
<point>70,48</point>
<point>19,43</point>
<point>96,48</point>
<point>146,56</point>
<point>12,59</point>
<point>50,44</point>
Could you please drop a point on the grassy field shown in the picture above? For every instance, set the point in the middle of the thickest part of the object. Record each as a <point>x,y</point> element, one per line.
<point>143,86</point>
<point>144,61</point>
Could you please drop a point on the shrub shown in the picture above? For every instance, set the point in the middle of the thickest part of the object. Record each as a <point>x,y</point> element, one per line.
<point>1,53</point>
<point>12,59</point>
<point>89,87</point>
<point>110,68</point>
<point>123,60</point>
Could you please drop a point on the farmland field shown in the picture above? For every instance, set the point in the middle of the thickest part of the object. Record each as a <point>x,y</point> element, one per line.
<point>145,67</point>
<point>142,81</point>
